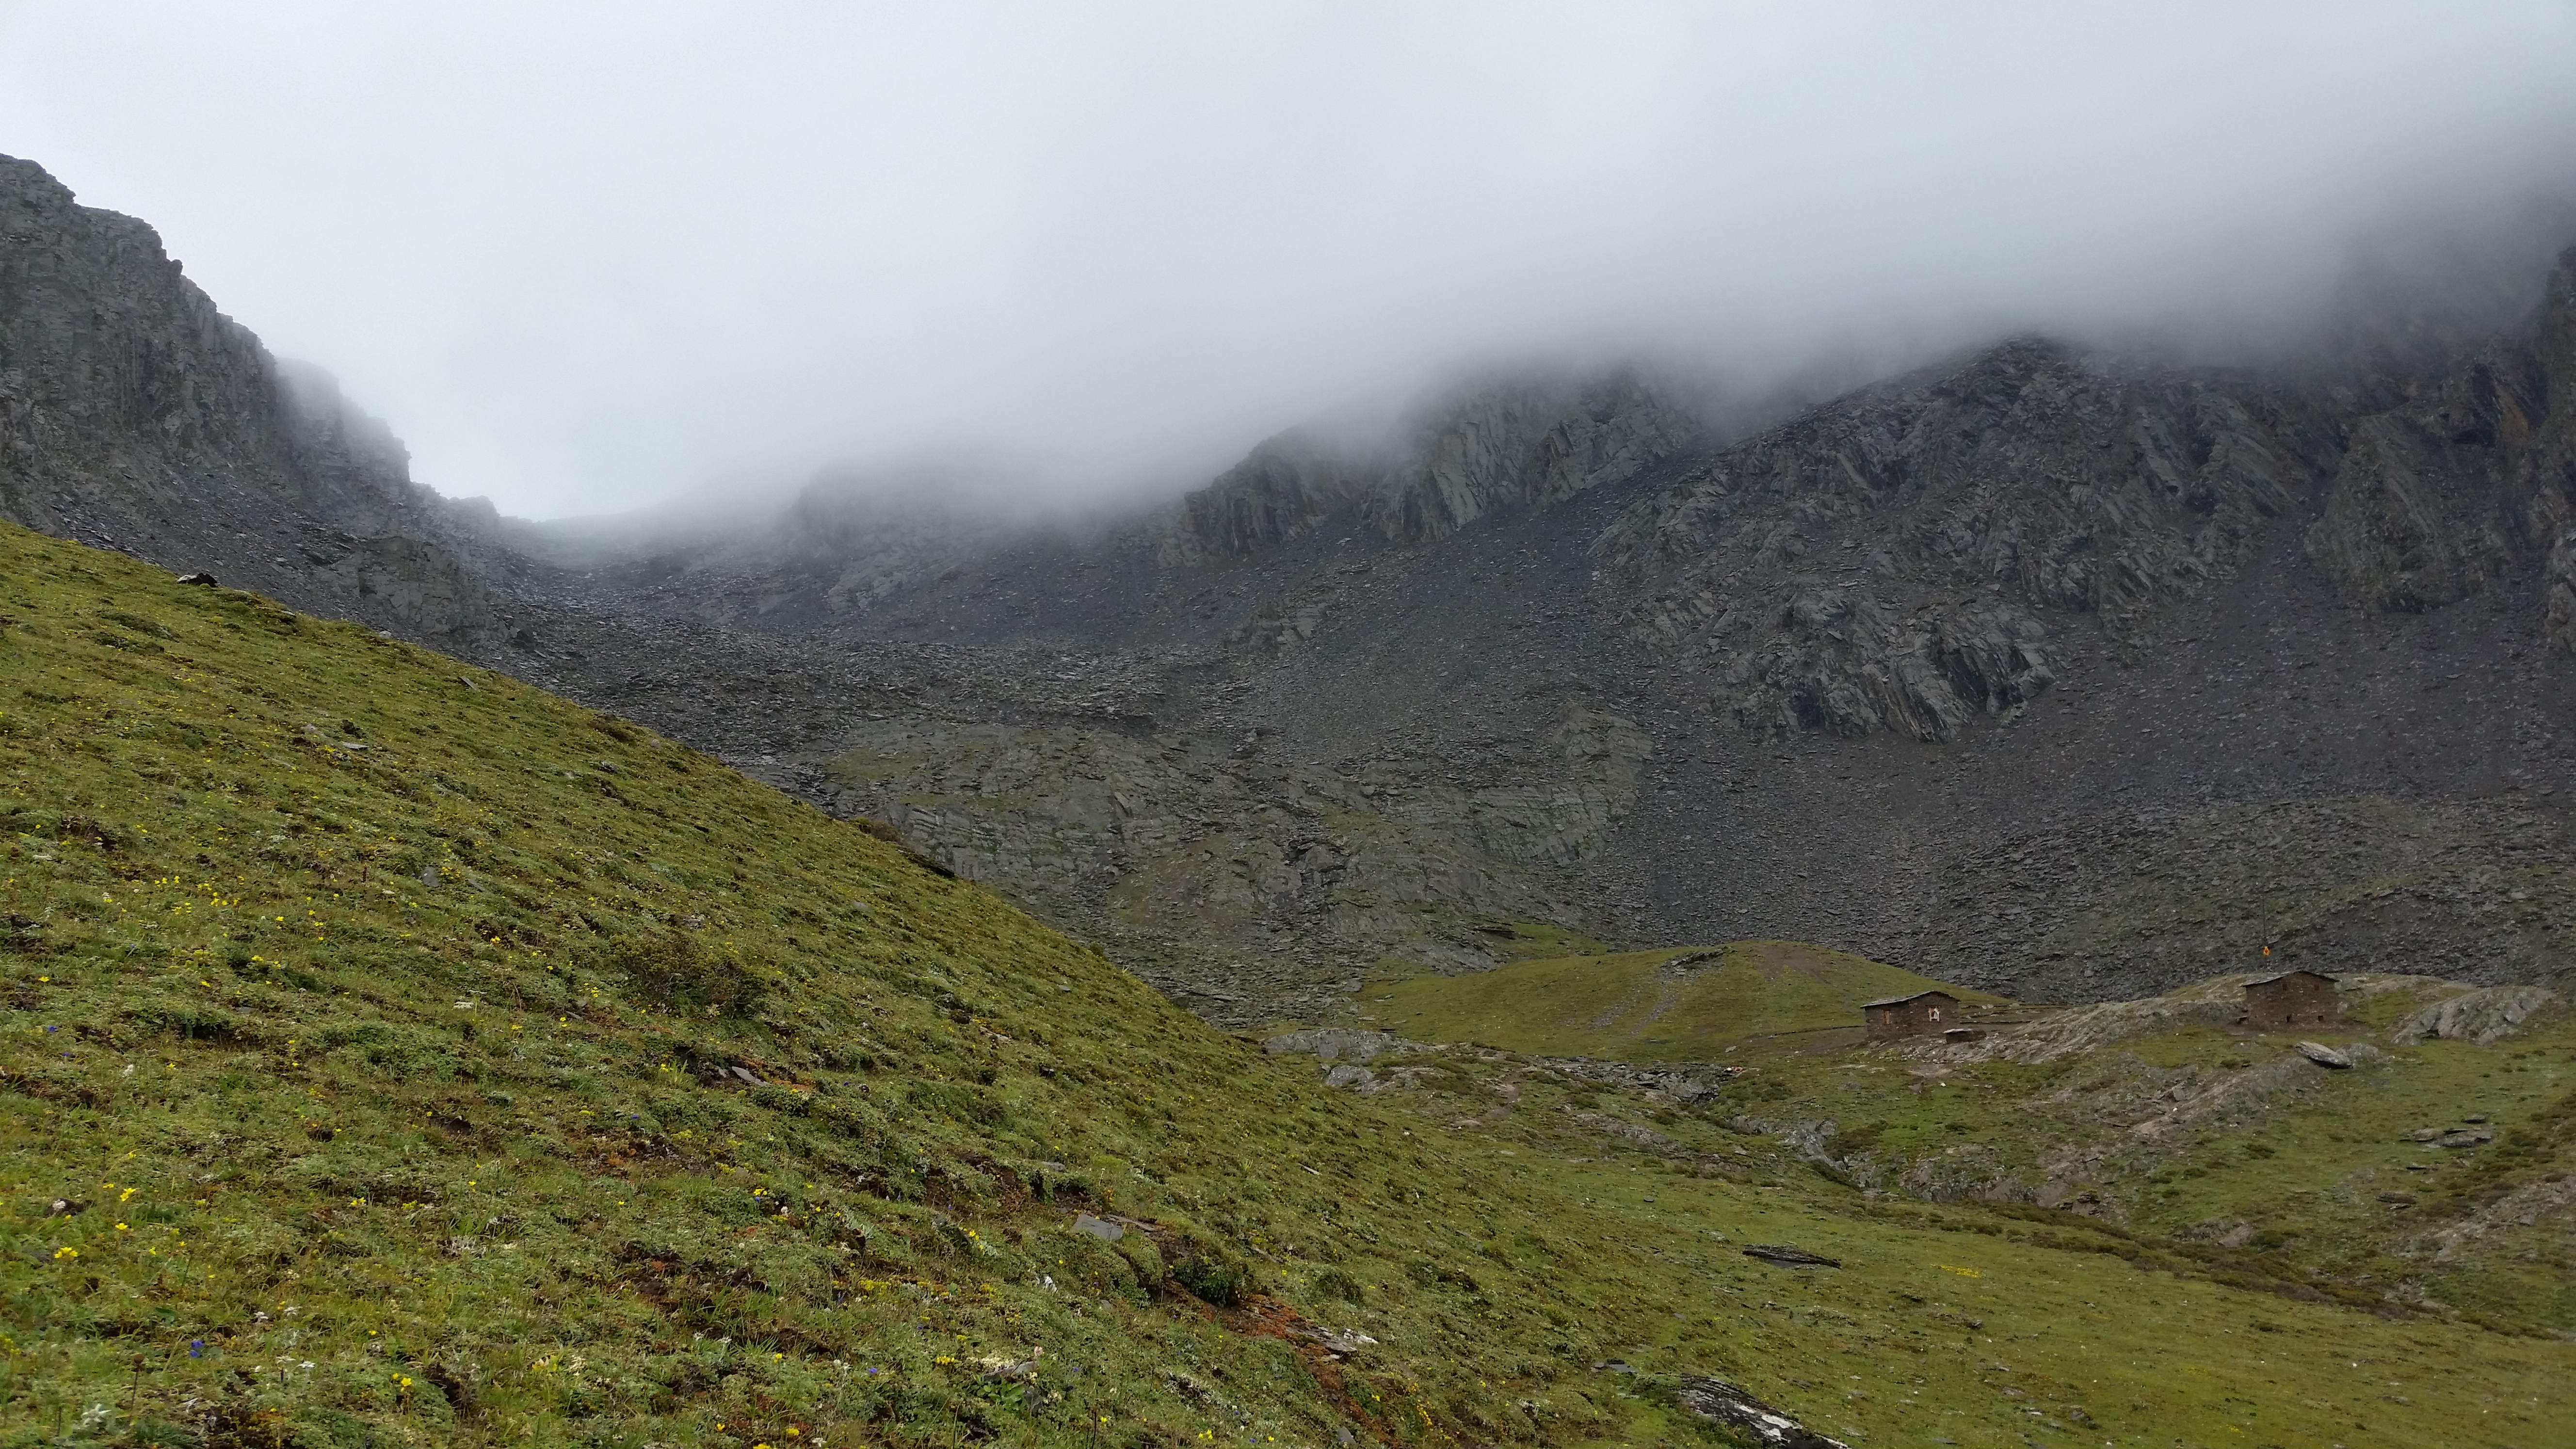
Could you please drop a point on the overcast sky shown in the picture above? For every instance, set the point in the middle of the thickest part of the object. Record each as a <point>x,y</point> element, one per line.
<point>585,257</point>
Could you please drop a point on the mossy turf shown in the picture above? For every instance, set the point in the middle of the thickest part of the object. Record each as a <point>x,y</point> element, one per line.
<point>1746,999</point>
<point>396,1054</point>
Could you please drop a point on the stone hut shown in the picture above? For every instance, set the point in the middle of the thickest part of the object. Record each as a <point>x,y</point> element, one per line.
<point>1924,1011</point>
<point>2290,1000</point>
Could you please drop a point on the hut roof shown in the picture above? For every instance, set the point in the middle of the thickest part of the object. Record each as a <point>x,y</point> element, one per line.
<point>1903,1000</point>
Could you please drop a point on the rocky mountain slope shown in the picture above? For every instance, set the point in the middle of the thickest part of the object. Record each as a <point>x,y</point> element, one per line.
<point>2070,672</point>
<point>1509,443</point>
<point>136,416</point>
<point>1879,668</point>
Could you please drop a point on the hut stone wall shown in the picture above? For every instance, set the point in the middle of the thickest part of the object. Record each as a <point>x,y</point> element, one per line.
<point>1931,1011</point>
<point>2289,1001</point>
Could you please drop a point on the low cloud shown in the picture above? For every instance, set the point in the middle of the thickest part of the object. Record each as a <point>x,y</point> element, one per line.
<point>592,257</point>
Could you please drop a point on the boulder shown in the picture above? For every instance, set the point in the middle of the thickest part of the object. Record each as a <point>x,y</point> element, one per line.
<point>1347,1075</point>
<point>2324,1056</point>
<point>1331,1044</point>
<point>2483,1016</point>
<point>1720,1402</point>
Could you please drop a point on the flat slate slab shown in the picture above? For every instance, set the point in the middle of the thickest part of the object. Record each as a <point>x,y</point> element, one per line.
<point>1789,1257</point>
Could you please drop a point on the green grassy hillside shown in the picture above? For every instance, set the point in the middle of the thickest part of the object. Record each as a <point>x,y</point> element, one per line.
<point>2430,1174</point>
<point>2430,1171</point>
<point>395,1054</point>
<point>1746,998</point>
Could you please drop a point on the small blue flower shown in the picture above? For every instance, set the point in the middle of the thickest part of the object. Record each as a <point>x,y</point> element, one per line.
<point>196,1348</point>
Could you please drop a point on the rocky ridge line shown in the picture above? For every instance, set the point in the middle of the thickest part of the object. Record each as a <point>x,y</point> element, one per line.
<point>134,415</point>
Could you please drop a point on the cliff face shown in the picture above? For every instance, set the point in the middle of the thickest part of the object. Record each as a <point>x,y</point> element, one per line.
<point>135,415</point>
<point>2459,481</point>
<point>1497,445</point>
<point>1883,562</point>
<point>1893,560</point>
<point>2551,456</point>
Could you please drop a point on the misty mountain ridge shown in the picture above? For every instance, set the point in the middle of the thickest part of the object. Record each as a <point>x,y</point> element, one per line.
<point>1581,653</point>
<point>1522,437</point>
<point>138,416</point>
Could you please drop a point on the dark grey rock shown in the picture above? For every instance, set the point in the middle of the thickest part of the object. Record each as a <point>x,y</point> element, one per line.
<point>1347,1075</point>
<point>2324,1056</point>
<point>1720,1402</point>
<point>1332,1044</point>
<point>2484,1016</point>
<point>1790,1257</point>
<point>135,415</point>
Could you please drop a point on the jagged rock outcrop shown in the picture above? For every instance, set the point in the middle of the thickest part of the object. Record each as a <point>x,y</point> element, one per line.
<point>1840,662</point>
<point>1880,563</point>
<point>2071,481</point>
<point>2550,460</point>
<point>2422,511</point>
<point>2558,595</point>
<point>2456,489</point>
<point>135,415</point>
<point>1288,485</point>
<point>2485,1016</point>
<point>1893,560</point>
<point>1493,445</point>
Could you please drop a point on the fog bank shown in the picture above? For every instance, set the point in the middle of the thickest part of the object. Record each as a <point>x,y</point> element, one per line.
<point>591,257</point>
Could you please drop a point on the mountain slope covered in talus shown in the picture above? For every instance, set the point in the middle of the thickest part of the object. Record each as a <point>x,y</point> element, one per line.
<point>1890,672</point>
<point>2069,671</point>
